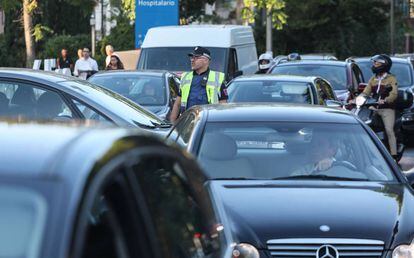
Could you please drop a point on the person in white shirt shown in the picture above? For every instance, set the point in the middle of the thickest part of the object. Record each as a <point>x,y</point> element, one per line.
<point>85,66</point>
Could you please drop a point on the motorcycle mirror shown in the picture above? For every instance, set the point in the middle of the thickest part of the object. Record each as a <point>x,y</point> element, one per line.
<point>362,86</point>
<point>410,177</point>
<point>360,100</point>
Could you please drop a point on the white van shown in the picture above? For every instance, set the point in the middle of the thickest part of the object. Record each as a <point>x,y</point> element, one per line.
<point>232,47</point>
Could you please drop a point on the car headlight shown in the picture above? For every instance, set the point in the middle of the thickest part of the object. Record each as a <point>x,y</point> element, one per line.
<point>245,251</point>
<point>403,251</point>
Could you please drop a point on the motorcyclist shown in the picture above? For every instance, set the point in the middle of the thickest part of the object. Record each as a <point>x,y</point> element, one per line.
<point>265,62</point>
<point>383,87</point>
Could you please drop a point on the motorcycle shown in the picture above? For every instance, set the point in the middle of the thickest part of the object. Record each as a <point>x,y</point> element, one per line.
<point>364,107</point>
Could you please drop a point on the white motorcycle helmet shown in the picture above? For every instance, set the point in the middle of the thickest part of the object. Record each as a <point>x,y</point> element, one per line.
<point>265,61</point>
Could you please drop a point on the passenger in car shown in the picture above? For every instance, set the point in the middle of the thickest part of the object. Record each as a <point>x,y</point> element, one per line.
<point>321,155</point>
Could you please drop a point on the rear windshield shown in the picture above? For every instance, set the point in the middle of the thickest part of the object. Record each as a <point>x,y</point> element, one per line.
<point>145,90</point>
<point>270,91</point>
<point>176,58</point>
<point>401,71</point>
<point>336,75</point>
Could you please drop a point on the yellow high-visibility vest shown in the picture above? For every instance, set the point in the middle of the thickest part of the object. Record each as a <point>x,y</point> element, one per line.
<point>214,81</point>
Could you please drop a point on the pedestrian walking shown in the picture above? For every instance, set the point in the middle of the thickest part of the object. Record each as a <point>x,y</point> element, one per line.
<point>201,85</point>
<point>85,66</point>
<point>65,61</point>
<point>115,64</point>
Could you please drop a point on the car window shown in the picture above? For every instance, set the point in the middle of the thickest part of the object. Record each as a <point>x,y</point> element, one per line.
<point>180,223</point>
<point>284,149</point>
<point>23,218</point>
<point>146,90</point>
<point>327,89</point>
<point>88,112</point>
<point>124,107</point>
<point>232,64</point>
<point>174,86</point>
<point>18,99</point>
<point>113,227</point>
<point>181,133</point>
<point>335,74</point>
<point>358,74</point>
<point>270,91</point>
<point>321,93</point>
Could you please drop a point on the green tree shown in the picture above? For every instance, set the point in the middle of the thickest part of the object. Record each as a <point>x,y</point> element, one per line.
<point>273,8</point>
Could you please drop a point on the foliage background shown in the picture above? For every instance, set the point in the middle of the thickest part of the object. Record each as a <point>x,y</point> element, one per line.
<point>340,27</point>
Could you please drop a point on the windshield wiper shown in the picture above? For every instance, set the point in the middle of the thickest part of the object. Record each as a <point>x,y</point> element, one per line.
<point>322,177</point>
<point>234,178</point>
<point>161,125</point>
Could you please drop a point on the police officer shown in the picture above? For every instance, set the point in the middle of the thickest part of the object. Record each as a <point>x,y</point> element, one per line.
<point>265,62</point>
<point>201,85</point>
<point>383,87</point>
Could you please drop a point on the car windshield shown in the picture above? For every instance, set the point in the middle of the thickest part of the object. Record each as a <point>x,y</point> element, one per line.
<point>145,90</point>
<point>336,75</point>
<point>176,58</point>
<point>401,71</point>
<point>22,221</point>
<point>291,150</point>
<point>270,91</point>
<point>114,102</point>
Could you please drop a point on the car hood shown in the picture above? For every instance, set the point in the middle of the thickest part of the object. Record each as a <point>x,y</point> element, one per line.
<point>259,211</point>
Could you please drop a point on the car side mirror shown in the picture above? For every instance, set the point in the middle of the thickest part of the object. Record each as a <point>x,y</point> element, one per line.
<point>237,74</point>
<point>362,86</point>
<point>333,103</point>
<point>410,178</point>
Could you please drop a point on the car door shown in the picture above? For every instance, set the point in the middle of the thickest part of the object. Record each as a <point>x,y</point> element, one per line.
<point>179,214</point>
<point>110,222</point>
<point>24,99</point>
<point>183,131</point>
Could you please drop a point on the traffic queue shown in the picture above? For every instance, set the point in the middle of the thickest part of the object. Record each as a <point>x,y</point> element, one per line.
<point>197,154</point>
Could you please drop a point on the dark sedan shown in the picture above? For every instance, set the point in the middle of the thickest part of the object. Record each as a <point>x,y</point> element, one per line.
<point>282,89</point>
<point>39,95</point>
<point>86,192</point>
<point>301,181</point>
<point>155,90</point>
<point>341,75</point>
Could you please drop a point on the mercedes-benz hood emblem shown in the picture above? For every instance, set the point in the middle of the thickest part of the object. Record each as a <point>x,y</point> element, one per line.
<point>327,251</point>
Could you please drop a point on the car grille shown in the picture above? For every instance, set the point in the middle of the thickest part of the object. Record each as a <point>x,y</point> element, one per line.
<point>308,247</point>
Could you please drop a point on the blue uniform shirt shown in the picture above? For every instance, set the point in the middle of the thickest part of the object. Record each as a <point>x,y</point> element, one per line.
<point>198,93</point>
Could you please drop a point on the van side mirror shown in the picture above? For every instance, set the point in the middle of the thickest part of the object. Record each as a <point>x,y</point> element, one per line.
<point>362,86</point>
<point>237,74</point>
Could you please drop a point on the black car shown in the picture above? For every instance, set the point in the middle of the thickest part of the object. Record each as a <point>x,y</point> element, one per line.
<point>78,192</point>
<point>343,76</point>
<point>155,90</point>
<point>403,71</point>
<point>282,89</point>
<point>39,95</point>
<point>301,181</point>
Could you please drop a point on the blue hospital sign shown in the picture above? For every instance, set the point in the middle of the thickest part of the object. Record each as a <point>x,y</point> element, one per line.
<point>153,13</point>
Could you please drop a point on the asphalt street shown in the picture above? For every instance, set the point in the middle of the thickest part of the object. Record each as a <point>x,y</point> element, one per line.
<point>407,161</point>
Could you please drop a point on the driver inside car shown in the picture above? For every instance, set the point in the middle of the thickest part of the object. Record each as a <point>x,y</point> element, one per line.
<point>321,156</point>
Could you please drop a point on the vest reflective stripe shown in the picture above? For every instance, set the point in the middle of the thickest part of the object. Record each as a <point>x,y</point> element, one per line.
<point>214,81</point>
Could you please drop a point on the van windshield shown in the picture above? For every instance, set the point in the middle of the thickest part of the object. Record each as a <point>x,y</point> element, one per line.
<point>176,58</point>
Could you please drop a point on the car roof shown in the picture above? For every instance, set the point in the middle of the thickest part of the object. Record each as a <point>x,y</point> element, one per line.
<point>133,72</point>
<point>313,62</point>
<point>38,150</point>
<point>271,112</point>
<point>24,73</point>
<point>274,77</point>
